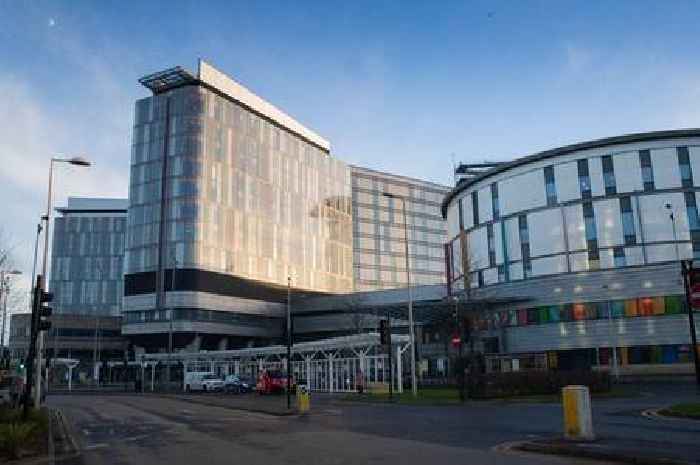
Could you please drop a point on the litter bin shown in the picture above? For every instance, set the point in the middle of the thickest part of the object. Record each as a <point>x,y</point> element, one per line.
<point>303,398</point>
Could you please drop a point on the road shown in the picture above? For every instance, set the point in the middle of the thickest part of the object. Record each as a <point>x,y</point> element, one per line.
<point>145,430</point>
<point>149,429</point>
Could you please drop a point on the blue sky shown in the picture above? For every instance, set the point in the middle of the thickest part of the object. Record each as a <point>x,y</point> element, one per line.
<point>396,86</point>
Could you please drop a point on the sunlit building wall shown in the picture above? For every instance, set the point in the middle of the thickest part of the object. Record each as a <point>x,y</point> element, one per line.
<point>378,230</point>
<point>590,236</point>
<point>235,197</point>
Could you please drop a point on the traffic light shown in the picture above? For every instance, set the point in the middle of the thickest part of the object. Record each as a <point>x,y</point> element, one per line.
<point>44,310</point>
<point>384,332</point>
<point>41,301</point>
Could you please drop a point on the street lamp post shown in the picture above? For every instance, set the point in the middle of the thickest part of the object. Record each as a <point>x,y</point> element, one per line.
<point>412,338</point>
<point>77,161</point>
<point>671,215</point>
<point>4,294</point>
<point>289,341</point>
<point>170,321</point>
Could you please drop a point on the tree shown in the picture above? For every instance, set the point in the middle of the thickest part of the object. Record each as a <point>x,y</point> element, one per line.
<point>459,317</point>
<point>360,319</point>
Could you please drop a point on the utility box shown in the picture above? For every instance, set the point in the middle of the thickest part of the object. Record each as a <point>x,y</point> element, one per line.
<point>303,399</point>
<point>578,421</point>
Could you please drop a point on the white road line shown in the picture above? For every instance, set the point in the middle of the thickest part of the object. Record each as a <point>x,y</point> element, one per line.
<point>99,445</point>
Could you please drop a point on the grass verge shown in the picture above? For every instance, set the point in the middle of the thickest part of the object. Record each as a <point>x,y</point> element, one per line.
<point>450,396</point>
<point>427,396</point>
<point>690,410</point>
<point>19,437</point>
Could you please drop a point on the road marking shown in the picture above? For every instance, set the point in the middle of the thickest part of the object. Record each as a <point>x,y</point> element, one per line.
<point>136,438</point>
<point>99,445</point>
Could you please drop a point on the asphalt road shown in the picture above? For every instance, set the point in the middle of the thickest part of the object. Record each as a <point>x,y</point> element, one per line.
<point>147,429</point>
<point>144,430</point>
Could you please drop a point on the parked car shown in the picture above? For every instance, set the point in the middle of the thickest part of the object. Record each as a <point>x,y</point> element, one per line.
<point>203,381</point>
<point>272,382</point>
<point>238,384</point>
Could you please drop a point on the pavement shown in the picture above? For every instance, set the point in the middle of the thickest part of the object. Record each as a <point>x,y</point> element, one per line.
<point>181,429</point>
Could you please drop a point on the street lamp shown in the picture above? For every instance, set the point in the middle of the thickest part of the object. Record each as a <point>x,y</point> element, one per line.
<point>170,320</point>
<point>4,292</point>
<point>671,215</point>
<point>77,161</point>
<point>411,335</point>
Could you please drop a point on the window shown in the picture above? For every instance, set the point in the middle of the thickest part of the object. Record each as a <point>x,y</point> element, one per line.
<point>550,186</point>
<point>525,245</point>
<point>461,216</point>
<point>619,257</point>
<point>693,222</point>
<point>684,165</point>
<point>647,171</point>
<point>501,273</point>
<point>494,201</point>
<point>628,228</point>
<point>609,175</point>
<point>492,245</point>
<point>591,236</point>
<point>475,207</point>
<point>584,180</point>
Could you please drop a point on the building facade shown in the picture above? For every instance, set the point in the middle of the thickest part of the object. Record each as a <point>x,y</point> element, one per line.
<point>379,257</point>
<point>236,197</point>
<point>87,257</point>
<point>589,238</point>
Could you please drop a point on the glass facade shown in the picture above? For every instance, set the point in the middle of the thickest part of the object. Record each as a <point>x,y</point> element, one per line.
<point>87,256</point>
<point>594,210</point>
<point>379,247</point>
<point>243,196</point>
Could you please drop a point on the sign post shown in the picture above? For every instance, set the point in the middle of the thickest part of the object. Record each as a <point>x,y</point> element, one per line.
<point>691,279</point>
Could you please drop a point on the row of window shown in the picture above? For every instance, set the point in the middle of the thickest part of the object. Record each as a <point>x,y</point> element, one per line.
<point>192,314</point>
<point>644,306</point>
<point>645,355</point>
<point>584,181</point>
<point>83,332</point>
<point>590,229</point>
<point>411,191</point>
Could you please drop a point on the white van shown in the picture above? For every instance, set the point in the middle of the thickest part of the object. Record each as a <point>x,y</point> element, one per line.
<point>203,381</point>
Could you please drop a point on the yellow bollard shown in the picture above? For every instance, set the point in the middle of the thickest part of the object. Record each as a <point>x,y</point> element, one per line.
<point>303,399</point>
<point>578,421</point>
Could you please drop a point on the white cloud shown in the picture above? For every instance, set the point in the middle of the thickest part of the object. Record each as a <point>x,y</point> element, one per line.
<point>33,128</point>
<point>578,58</point>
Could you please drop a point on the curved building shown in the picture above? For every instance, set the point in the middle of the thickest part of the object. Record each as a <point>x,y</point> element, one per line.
<point>587,238</point>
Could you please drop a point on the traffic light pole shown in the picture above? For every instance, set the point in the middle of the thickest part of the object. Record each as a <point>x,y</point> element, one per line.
<point>391,356</point>
<point>688,272</point>
<point>36,299</point>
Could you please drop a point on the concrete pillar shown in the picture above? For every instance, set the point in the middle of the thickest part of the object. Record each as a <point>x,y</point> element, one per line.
<point>399,370</point>
<point>223,343</point>
<point>330,374</point>
<point>308,373</point>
